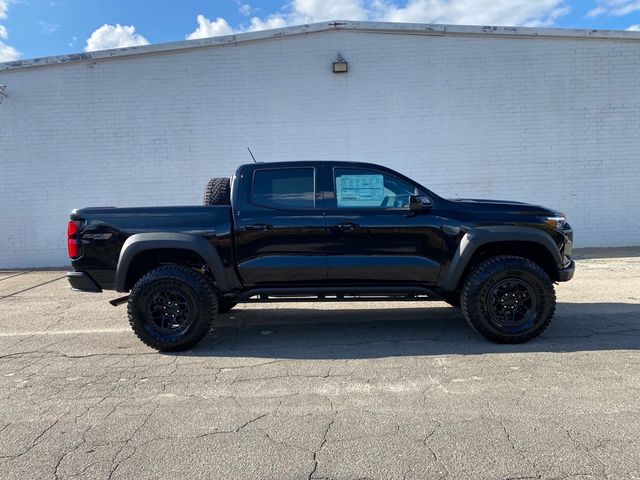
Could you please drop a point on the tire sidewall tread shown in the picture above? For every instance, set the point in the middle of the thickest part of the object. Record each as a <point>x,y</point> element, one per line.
<point>217,192</point>
<point>492,270</point>
<point>199,289</point>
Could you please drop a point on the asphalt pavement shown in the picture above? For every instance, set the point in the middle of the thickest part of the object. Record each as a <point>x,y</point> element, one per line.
<point>377,390</point>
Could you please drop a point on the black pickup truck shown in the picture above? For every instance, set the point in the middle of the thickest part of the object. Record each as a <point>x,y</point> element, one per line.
<point>322,231</point>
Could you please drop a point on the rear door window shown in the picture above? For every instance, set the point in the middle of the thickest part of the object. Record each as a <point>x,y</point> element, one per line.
<point>288,188</point>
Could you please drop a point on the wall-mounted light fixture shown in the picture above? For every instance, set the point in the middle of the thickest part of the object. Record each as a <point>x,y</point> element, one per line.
<point>340,65</point>
<point>3,94</point>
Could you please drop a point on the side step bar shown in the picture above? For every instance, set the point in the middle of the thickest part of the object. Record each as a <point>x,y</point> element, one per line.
<point>332,294</point>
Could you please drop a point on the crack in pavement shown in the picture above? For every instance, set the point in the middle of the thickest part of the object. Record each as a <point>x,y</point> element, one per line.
<point>322,444</point>
<point>33,443</point>
<point>512,444</point>
<point>437,459</point>
<point>115,463</point>
<point>583,447</point>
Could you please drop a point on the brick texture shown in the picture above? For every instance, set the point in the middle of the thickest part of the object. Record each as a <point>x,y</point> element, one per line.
<point>542,120</point>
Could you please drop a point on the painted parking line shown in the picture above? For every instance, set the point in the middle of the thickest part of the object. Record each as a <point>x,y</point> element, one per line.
<point>11,275</point>
<point>64,332</point>
<point>32,287</point>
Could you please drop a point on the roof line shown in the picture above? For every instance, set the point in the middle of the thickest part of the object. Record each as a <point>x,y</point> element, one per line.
<point>335,25</point>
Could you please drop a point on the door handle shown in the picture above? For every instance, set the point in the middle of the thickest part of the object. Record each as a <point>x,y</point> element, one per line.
<point>259,227</point>
<point>347,226</point>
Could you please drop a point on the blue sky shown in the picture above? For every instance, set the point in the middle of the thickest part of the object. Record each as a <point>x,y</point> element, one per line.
<point>36,28</point>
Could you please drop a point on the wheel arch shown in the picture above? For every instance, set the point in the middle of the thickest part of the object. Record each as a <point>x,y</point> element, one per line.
<point>481,243</point>
<point>138,249</point>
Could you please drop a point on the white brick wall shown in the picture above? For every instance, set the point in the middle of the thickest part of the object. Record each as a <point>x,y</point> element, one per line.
<point>553,121</point>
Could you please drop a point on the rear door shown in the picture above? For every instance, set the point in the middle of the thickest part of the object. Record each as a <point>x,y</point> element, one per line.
<point>280,229</point>
<point>372,236</point>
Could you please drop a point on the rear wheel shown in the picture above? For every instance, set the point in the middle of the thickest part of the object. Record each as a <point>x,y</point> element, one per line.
<point>171,308</point>
<point>508,299</point>
<point>218,192</point>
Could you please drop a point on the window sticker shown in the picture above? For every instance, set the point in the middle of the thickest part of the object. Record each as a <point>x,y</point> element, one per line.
<point>360,190</point>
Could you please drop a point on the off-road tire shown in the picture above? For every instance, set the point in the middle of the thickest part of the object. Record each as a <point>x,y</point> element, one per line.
<point>225,305</point>
<point>188,289</point>
<point>218,192</point>
<point>490,280</point>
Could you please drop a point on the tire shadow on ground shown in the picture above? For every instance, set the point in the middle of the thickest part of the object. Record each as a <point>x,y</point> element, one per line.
<point>361,332</point>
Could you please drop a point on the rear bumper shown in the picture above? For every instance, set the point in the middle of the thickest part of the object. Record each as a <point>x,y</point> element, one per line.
<point>82,281</point>
<point>565,274</point>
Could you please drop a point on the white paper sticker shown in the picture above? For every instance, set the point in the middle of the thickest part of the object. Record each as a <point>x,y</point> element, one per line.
<point>360,190</point>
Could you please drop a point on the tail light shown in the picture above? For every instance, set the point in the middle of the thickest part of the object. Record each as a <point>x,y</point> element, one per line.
<point>73,244</point>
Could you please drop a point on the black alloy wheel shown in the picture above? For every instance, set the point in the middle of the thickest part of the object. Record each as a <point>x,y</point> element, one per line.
<point>512,303</point>
<point>172,307</point>
<point>508,299</point>
<point>170,310</point>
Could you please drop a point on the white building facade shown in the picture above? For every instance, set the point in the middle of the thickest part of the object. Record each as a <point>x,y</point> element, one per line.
<point>538,115</point>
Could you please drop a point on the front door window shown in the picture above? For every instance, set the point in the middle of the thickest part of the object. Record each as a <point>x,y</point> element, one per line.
<point>361,188</point>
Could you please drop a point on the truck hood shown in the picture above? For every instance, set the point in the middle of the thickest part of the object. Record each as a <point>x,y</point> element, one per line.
<point>509,206</point>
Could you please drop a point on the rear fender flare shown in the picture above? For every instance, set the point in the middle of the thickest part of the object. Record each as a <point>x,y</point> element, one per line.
<point>478,237</point>
<point>142,242</point>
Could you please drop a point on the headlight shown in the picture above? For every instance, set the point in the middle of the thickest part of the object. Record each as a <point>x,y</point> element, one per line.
<point>556,222</point>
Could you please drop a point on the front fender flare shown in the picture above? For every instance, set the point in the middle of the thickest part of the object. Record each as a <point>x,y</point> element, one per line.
<point>142,242</point>
<point>478,237</point>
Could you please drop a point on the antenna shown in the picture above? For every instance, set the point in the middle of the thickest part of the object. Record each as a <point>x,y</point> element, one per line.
<point>250,153</point>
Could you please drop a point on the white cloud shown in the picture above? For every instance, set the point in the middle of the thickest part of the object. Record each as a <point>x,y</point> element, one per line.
<point>634,28</point>
<point>550,19</point>
<point>208,28</point>
<point>4,6</point>
<point>307,11</point>
<point>272,21</point>
<point>477,12</point>
<point>7,52</point>
<point>469,12</point>
<point>47,28</point>
<point>245,9</point>
<point>615,8</point>
<point>114,36</point>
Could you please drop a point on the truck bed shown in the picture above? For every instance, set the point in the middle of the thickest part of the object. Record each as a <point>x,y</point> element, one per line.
<point>107,228</point>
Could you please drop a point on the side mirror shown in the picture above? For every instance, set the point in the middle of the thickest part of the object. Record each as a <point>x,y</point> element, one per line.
<point>419,203</point>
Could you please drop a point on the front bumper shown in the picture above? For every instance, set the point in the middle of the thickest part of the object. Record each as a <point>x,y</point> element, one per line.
<point>566,273</point>
<point>82,281</point>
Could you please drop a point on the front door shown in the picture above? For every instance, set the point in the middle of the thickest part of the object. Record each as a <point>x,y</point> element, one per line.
<point>372,236</point>
<point>280,230</point>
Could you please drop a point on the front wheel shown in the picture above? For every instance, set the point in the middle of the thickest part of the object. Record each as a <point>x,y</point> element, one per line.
<point>508,299</point>
<point>172,307</point>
